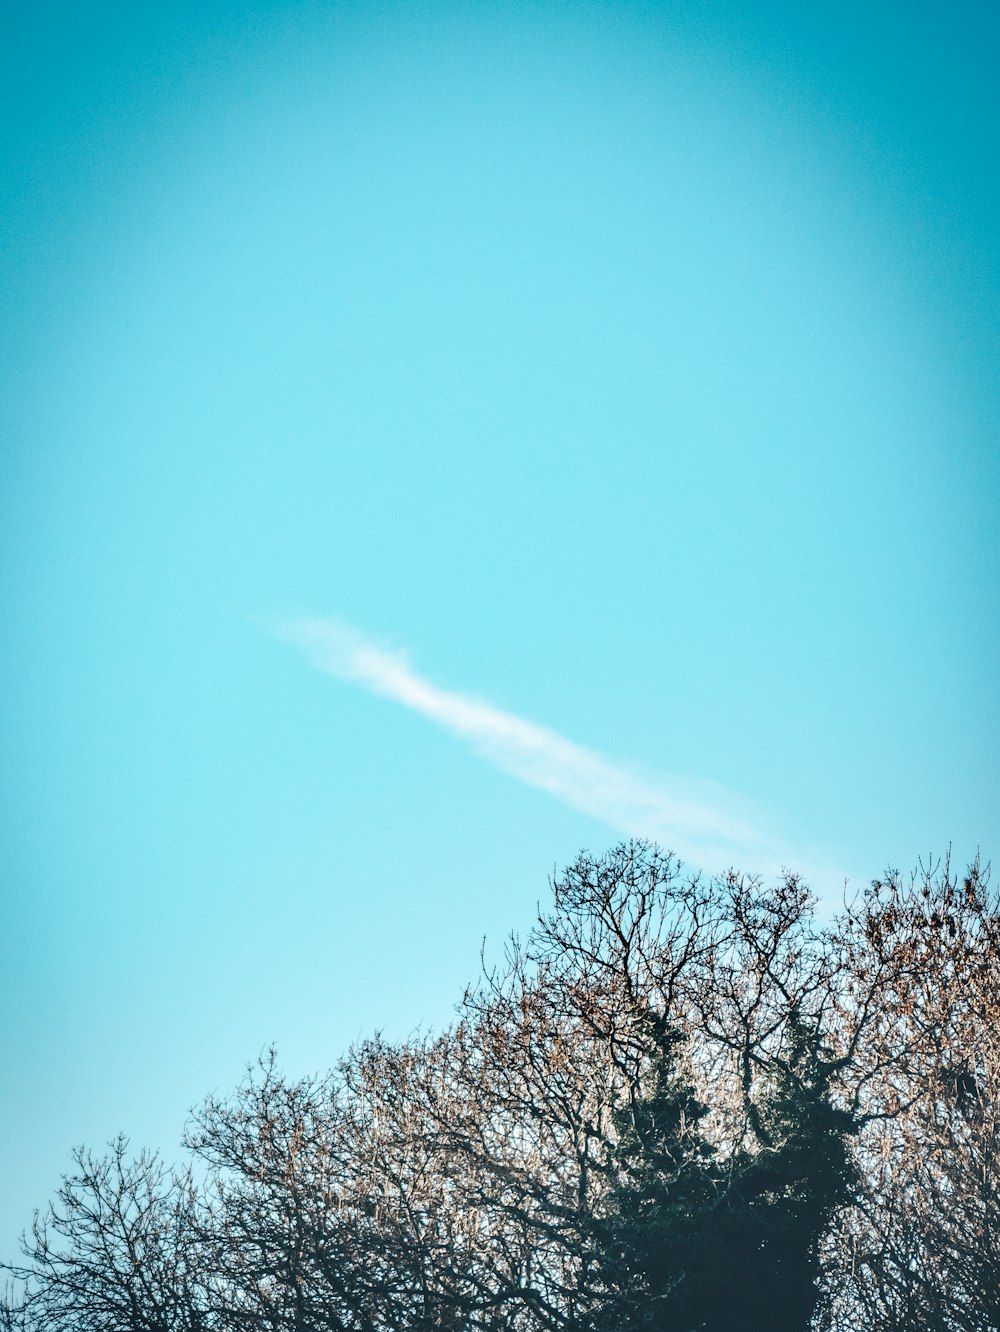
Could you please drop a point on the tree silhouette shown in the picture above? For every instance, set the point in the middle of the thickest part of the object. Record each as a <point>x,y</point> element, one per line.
<point>697,1241</point>
<point>677,1106</point>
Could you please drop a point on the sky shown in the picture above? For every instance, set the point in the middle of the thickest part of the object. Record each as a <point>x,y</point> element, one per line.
<point>438,438</point>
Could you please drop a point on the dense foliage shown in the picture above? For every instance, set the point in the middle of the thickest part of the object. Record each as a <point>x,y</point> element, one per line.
<point>680,1104</point>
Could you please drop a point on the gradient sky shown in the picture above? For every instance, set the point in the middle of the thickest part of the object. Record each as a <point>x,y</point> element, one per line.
<point>437,438</point>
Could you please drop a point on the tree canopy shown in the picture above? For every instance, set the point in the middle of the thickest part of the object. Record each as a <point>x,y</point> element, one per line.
<point>680,1103</point>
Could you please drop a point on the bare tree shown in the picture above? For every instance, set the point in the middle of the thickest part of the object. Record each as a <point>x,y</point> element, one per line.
<point>921,1011</point>
<point>116,1252</point>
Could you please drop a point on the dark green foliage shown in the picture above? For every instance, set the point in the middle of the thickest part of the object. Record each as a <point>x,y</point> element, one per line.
<point>787,1190</point>
<point>697,1242</point>
<point>791,1187</point>
<point>654,1236</point>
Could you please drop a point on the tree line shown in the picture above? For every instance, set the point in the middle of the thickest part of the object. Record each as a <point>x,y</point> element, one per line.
<point>679,1103</point>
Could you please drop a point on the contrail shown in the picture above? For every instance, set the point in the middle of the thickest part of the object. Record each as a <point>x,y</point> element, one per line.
<point>707,834</point>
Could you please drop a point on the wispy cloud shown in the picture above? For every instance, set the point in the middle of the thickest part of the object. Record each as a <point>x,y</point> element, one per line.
<point>711,833</point>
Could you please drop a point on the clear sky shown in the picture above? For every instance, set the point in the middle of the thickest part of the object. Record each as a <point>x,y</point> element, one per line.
<point>437,438</point>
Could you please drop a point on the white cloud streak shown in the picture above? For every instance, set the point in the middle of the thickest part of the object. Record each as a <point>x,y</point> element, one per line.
<point>711,834</point>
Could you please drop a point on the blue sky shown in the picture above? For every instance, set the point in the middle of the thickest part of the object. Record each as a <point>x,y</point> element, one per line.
<point>438,438</point>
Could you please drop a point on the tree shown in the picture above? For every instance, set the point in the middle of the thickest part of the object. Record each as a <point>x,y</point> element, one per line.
<point>919,1010</point>
<point>789,1189</point>
<point>659,1247</point>
<point>116,1252</point>
<point>677,1104</point>
<point>696,1241</point>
